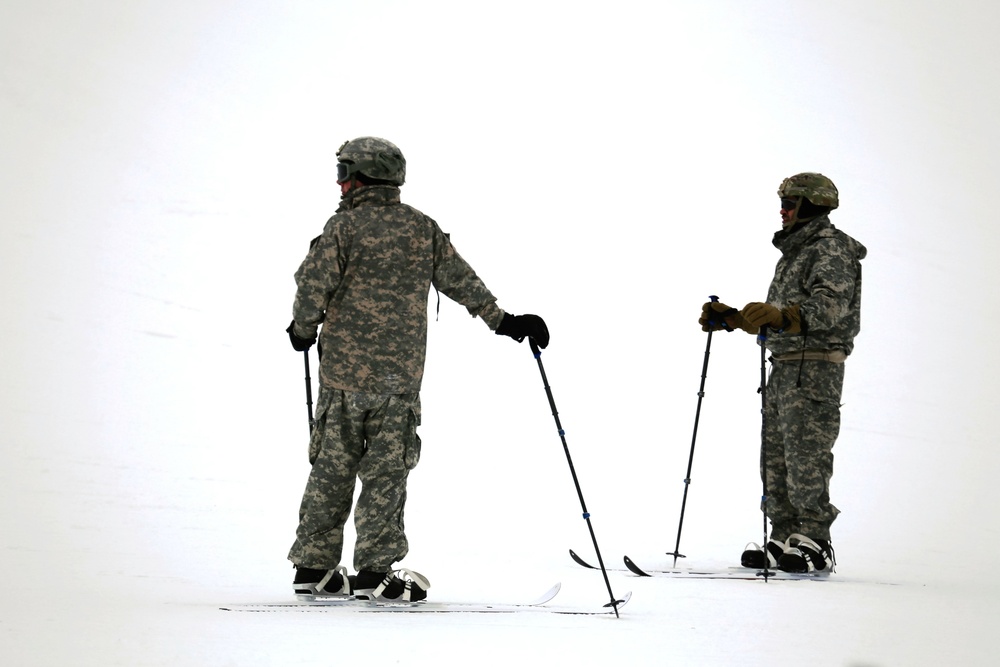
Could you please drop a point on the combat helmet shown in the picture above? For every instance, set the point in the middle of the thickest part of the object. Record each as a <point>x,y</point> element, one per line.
<point>375,158</point>
<point>817,188</point>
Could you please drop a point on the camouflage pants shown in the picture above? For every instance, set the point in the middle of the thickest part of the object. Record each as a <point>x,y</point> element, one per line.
<point>802,421</point>
<point>358,435</point>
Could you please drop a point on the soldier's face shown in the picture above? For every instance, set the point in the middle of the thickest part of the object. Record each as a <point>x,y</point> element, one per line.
<point>787,211</point>
<point>349,185</point>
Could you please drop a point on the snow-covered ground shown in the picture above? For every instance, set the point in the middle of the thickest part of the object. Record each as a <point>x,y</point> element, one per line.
<point>607,166</point>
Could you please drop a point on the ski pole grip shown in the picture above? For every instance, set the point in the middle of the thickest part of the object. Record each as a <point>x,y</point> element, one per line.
<point>534,347</point>
<point>714,299</point>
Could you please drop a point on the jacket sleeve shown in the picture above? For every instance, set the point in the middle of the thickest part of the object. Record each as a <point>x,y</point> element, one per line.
<point>317,278</point>
<point>830,284</point>
<point>456,279</point>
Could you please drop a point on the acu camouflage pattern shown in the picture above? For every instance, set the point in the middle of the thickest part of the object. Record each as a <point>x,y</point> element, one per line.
<point>366,280</point>
<point>366,436</point>
<point>820,270</point>
<point>801,427</point>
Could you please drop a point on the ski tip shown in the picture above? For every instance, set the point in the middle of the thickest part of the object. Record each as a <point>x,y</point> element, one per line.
<point>547,596</point>
<point>580,561</point>
<point>635,569</point>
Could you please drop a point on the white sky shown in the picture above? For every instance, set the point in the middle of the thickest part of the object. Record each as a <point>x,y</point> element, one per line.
<point>605,165</point>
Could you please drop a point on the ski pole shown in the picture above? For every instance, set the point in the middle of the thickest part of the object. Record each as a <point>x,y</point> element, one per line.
<point>761,339</point>
<point>583,505</point>
<point>676,553</point>
<point>309,394</point>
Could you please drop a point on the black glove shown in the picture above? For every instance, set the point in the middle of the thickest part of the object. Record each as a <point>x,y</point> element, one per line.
<point>300,344</point>
<point>520,326</point>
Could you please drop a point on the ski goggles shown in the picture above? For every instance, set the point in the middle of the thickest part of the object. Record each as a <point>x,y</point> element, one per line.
<point>343,171</point>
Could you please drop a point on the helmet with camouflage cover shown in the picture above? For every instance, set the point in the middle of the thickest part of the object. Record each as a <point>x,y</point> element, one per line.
<point>375,158</point>
<point>817,188</point>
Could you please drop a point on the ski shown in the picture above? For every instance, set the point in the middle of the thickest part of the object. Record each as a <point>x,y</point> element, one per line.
<point>360,605</point>
<point>745,573</point>
<point>707,572</point>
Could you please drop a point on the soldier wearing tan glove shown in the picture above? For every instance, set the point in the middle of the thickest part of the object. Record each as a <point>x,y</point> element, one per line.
<point>787,320</point>
<point>716,315</point>
<point>812,312</point>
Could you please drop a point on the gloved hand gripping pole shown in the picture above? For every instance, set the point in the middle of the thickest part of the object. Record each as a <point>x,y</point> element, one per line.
<point>583,505</point>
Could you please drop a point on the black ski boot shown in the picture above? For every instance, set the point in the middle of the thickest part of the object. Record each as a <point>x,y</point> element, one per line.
<point>753,555</point>
<point>322,583</point>
<point>399,586</point>
<point>807,555</point>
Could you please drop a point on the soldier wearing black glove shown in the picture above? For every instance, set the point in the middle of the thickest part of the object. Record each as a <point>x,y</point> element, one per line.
<point>364,284</point>
<point>300,344</point>
<point>520,327</point>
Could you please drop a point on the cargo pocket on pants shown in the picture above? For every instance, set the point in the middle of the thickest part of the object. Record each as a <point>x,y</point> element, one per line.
<point>318,425</point>
<point>412,441</point>
<point>823,384</point>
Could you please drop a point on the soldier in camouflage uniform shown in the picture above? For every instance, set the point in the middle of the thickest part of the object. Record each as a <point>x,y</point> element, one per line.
<point>366,280</point>
<point>812,314</point>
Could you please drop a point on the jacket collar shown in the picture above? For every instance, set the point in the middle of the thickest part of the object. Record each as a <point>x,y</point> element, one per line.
<point>370,195</point>
<point>802,233</point>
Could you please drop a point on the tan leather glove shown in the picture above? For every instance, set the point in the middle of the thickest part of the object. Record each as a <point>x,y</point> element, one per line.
<point>786,320</point>
<point>716,315</point>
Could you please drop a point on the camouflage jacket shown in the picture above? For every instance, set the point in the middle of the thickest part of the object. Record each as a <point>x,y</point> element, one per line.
<point>366,280</point>
<point>820,270</point>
